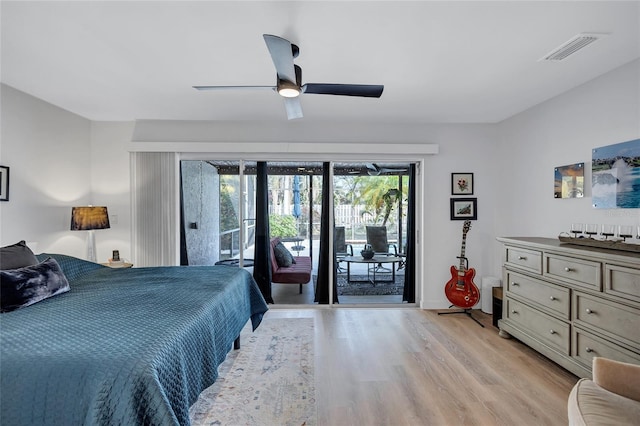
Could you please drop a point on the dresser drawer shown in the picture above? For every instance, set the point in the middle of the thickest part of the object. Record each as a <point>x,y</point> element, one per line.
<point>585,346</point>
<point>528,260</point>
<point>617,321</point>
<point>552,298</point>
<point>579,272</point>
<point>622,281</point>
<point>550,331</point>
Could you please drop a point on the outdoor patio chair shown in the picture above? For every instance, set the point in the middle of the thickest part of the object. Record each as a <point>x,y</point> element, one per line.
<point>341,247</point>
<point>377,240</point>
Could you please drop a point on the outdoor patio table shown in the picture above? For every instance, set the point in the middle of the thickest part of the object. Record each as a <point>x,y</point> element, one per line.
<point>371,278</point>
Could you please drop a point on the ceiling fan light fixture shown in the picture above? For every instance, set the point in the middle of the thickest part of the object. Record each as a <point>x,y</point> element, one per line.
<point>288,92</point>
<point>288,89</point>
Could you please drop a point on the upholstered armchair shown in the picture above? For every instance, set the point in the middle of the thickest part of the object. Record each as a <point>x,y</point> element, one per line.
<point>611,398</point>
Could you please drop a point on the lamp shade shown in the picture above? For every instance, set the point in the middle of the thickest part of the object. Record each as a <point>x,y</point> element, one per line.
<point>89,218</point>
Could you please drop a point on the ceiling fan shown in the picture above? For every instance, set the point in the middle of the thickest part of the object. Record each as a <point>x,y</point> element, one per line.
<point>375,170</point>
<point>289,79</point>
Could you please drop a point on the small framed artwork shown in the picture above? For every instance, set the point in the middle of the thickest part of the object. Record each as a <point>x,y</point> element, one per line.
<point>569,181</point>
<point>4,183</point>
<point>464,208</point>
<point>461,183</point>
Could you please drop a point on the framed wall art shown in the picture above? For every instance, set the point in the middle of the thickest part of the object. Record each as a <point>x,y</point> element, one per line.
<point>569,181</point>
<point>464,208</point>
<point>4,183</point>
<point>615,176</point>
<point>461,183</point>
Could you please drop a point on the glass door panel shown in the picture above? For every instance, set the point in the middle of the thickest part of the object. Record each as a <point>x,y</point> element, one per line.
<point>370,209</point>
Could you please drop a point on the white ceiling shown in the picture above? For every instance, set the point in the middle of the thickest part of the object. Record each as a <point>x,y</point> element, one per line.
<point>451,61</point>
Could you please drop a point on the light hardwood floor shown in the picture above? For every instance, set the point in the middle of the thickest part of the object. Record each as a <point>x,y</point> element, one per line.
<point>405,366</point>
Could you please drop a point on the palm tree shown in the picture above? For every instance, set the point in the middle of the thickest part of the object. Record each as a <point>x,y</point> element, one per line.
<point>378,194</point>
<point>390,199</point>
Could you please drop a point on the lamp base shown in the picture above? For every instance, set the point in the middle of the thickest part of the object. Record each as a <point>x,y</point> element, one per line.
<point>91,247</point>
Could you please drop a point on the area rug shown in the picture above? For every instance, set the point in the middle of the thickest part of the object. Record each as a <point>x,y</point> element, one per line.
<point>366,288</point>
<point>269,381</point>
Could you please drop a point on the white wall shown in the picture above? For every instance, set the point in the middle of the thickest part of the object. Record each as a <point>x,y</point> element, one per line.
<point>59,160</point>
<point>463,148</point>
<point>559,132</point>
<point>110,182</point>
<point>48,151</point>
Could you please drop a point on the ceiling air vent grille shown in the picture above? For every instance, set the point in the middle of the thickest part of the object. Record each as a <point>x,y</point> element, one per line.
<point>572,46</point>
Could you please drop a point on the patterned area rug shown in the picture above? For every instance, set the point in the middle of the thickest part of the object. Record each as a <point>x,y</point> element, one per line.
<point>269,381</point>
<point>366,288</point>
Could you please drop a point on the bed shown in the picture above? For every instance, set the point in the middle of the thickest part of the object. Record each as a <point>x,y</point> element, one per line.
<point>123,346</point>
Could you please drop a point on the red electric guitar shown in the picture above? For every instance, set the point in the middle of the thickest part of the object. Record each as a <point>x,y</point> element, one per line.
<point>460,289</point>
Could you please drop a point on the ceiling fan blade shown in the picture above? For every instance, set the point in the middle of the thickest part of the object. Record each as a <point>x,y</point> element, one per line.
<point>233,87</point>
<point>372,169</point>
<point>384,170</point>
<point>281,52</point>
<point>293,107</point>
<point>364,90</point>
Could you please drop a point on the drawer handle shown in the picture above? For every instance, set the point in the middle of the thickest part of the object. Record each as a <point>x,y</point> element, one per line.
<point>522,258</point>
<point>567,269</point>
<point>515,284</point>
<point>589,311</point>
<point>514,311</point>
<point>552,298</point>
<point>588,349</point>
<point>552,331</point>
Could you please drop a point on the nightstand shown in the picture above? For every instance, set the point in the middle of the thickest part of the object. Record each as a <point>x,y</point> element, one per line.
<point>497,305</point>
<point>118,265</point>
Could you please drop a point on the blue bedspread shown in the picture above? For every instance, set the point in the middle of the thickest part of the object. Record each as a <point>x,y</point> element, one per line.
<point>124,346</point>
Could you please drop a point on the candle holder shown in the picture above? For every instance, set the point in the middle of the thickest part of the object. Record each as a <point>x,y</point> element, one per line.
<point>591,229</point>
<point>608,231</point>
<point>625,231</point>
<point>577,228</point>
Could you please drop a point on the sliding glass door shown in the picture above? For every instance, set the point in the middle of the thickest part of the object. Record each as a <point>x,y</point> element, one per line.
<point>218,219</point>
<point>217,213</point>
<point>370,215</point>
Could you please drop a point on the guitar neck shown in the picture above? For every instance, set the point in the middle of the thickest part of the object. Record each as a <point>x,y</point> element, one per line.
<point>463,264</point>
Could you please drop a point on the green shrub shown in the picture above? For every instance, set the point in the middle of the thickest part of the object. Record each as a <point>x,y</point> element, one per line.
<point>282,226</point>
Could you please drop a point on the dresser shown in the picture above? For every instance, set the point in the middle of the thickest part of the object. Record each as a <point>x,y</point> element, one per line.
<point>570,302</point>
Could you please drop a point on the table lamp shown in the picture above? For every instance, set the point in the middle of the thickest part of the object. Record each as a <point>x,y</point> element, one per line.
<point>88,219</point>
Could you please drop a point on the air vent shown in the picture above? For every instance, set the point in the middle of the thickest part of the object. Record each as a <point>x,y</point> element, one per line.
<point>572,46</point>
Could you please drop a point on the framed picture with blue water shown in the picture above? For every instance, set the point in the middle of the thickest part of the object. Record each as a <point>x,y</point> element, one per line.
<point>615,176</point>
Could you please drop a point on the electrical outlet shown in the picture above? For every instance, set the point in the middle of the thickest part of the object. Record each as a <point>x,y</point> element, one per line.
<point>113,220</point>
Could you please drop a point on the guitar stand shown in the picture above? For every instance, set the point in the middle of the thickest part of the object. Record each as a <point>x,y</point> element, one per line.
<point>464,311</point>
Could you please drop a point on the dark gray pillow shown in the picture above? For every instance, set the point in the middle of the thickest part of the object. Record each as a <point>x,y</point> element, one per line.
<point>25,286</point>
<point>17,256</point>
<point>284,258</point>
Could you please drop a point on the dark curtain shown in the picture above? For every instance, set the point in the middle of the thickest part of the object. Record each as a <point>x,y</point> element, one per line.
<point>184,256</point>
<point>262,254</point>
<point>327,257</point>
<point>409,293</point>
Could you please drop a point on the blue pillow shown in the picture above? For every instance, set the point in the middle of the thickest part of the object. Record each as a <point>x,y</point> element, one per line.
<point>284,258</point>
<point>71,266</point>
<point>25,286</point>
